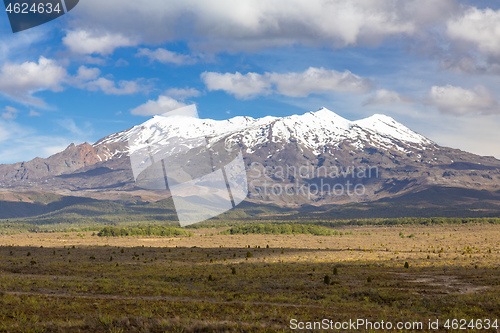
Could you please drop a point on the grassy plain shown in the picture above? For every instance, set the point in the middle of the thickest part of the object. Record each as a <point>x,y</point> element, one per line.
<point>213,282</point>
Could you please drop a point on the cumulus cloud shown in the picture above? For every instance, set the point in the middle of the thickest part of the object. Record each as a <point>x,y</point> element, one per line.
<point>248,24</point>
<point>21,81</point>
<point>311,81</point>
<point>110,87</point>
<point>91,42</point>
<point>477,27</point>
<point>472,42</point>
<point>86,74</point>
<point>386,97</point>
<point>182,94</point>
<point>237,84</point>
<point>162,105</point>
<point>318,80</point>
<point>459,101</point>
<point>90,79</point>
<point>165,56</point>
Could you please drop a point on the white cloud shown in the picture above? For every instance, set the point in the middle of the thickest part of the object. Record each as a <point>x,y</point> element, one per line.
<point>92,42</point>
<point>239,85</point>
<point>166,56</point>
<point>90,79</point>
<point>110,87</point>
<point>21,81</point>
<point>479,28</point>
<point>318,80</point>
<point>386,97</point>
<point>10,112</point>
<point>472,43</point>
<point>86,74</point>
<point>182,94</point>
<point>162,105</point>
<point>460,101</point>
<point>248,24</point>
<point>311,81</point>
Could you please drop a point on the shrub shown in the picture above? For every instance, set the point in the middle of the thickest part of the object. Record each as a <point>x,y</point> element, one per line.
<point>407,265</point>
<point>335,271</point>
<point>148,230</point>
<point>326,279</point>
<point>282,228</point>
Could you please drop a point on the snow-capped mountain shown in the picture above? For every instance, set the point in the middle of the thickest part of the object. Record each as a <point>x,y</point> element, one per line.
<point>313,130</point>
<point>314,149</point>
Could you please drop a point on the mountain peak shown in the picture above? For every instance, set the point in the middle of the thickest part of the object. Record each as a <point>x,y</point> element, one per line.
<point>386,125</point>
<point>325,111</point>
<point>381,117</point>
<point>325,114</point>
<point>322,109</point>
<point>314,130</point>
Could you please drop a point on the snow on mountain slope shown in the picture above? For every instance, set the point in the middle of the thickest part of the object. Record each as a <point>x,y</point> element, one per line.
<point>387,126</point>
<point>313,130</point>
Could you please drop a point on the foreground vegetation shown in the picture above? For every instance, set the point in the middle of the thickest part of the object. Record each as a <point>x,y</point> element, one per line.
<point>46,212</point>
<point>281,229</point>
<point>240,226</point>
<point>213,282</point>
<point>146,230</point>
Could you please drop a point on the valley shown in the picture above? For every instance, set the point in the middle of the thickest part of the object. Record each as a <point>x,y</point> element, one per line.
<point>79,281</point>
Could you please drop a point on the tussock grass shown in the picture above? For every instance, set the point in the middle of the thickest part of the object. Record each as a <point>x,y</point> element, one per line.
<point>208,283</point>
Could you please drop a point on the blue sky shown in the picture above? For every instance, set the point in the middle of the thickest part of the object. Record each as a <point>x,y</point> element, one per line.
<point>433,65</point>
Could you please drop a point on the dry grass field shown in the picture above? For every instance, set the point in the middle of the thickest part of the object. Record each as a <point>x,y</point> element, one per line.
<point>79,282</point>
